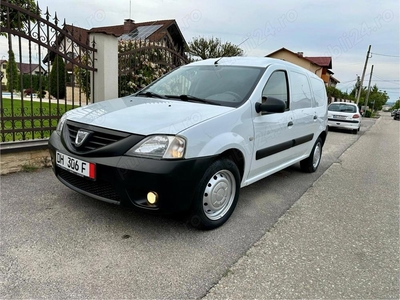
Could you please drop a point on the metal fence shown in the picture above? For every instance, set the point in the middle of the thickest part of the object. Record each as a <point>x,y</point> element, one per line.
<point>52,74</point>
<point>142,61</point>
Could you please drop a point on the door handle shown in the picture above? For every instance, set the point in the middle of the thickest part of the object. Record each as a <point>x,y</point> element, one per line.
<point>290,124</point>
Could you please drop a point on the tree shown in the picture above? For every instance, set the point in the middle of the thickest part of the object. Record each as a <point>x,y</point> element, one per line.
<point>376,98</point>
<point>12,73</point>
<point>82,76</point>
<point>333,92</point>
<point>396,105</point>
<point>57,78</point>
<point>17,20</point>
<point>212,48</point>
<point>140,64</point>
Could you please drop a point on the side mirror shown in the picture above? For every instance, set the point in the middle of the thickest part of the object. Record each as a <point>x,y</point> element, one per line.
<point>271,105</point>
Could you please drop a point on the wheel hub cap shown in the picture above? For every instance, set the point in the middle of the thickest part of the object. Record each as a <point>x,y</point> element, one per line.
<point>219,194</point>
<point>317,155</point>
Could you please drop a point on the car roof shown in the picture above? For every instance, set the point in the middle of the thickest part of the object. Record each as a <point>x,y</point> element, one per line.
<point>243,61</point>
<point>349,103</point>
<point>248,61</point>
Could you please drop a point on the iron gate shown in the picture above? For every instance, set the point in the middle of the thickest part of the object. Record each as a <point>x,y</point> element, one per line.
<point>46,83</point>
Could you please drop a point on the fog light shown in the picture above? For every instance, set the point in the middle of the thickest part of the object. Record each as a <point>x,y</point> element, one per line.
<point>152,197</point>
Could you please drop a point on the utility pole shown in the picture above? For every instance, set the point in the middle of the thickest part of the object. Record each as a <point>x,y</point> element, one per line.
<point>369,85</point>
<point>357,85</point>
<point>363,74</point>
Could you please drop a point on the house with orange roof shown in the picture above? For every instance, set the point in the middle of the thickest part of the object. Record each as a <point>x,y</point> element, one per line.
<point>319,65</point>
<point>165,31</point>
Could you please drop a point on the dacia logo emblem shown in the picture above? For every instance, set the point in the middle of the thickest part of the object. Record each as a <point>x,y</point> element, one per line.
<point>81,137</point>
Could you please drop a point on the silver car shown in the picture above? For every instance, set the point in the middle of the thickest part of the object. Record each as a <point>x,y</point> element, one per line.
<point>344,115</point>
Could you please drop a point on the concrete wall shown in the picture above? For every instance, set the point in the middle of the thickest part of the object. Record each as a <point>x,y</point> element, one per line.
<point>76,94</point>
<point>300,61</point>
<point>106,61</point>
<point>24,161</point>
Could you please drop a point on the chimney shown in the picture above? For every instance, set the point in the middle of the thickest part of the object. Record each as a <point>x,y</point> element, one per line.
<point>300,54</point>
<point>129,24</point>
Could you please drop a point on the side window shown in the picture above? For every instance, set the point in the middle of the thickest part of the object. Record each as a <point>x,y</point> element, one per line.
<point>277,87</point>
<point>301,92</point>
<point>319,90</point>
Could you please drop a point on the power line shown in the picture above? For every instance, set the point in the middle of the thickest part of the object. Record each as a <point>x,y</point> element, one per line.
<point>393,82</point>
<point>348,81</point>
<point>385,55</point>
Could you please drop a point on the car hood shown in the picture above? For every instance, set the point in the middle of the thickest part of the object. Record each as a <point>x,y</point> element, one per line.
<point>145,116</point>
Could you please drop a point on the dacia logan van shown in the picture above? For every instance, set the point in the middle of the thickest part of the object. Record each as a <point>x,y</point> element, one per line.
<point>190,140</point>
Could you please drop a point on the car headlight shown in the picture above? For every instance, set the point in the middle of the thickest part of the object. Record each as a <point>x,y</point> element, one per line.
<point>160,146</point>
<point>60,124</point>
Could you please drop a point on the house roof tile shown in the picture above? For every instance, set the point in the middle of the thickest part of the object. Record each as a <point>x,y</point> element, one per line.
<point>119,30</point>
<point>25,68</point>
<point>81,34</point>
<point>322,61</point>
<point>299,54</point>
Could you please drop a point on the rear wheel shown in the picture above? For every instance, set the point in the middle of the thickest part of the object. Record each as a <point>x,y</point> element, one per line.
<point>216,195</point>
<point>311,163</point>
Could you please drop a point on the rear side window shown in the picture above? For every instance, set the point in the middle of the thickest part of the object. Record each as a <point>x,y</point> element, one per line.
<point>301,92</point>
<point>342,108</point>
<point>277,87</point>
<point>319,90</point>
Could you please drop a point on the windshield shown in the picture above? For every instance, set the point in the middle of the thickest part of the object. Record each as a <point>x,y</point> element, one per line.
<point>216,84</point>
<point>343,108</point>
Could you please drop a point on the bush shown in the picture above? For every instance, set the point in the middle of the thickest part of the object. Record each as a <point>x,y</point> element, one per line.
<point>368,114</point>
<point>57,78</point>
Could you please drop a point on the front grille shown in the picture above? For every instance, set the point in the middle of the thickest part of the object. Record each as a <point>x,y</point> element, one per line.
<point>98,138</point>
<point>99,188</point>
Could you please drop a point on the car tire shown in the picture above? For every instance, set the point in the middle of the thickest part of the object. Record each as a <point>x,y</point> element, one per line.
<point>311,163</point>
<point>216,195</point>
<point>355,131</point>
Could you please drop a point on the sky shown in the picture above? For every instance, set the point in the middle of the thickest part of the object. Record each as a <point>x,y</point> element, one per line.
<point>340,29</point>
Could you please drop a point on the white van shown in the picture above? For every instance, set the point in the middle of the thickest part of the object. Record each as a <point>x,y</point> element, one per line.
<point>190,140</point>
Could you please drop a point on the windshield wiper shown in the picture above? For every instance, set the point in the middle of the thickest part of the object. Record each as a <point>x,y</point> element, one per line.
<point>191,98</point>
<point>150,94</point>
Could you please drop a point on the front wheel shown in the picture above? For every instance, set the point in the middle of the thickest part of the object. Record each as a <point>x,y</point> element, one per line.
<point>311,163</point>
<point>216,195</point>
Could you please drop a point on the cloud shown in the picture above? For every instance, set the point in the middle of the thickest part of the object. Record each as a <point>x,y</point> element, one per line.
<point>341,29</point>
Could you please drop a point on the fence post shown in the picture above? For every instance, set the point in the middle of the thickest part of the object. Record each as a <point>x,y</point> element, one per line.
<point>105,80</point>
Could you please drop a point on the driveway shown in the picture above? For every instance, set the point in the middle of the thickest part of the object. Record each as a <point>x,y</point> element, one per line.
<point>56,243</point>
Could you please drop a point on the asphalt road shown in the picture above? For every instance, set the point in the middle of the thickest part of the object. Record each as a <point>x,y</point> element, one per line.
<point>56,243</point>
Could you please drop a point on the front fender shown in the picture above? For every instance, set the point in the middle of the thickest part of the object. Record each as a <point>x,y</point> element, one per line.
<point>224,142</point>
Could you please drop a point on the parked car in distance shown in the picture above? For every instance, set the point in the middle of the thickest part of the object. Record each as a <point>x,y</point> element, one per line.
<point>190,140</point>
<point>396,115</point>
<point>393,112</point>
<point>344,115</point>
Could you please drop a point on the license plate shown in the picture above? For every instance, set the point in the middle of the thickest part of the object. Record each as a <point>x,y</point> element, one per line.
<point>76,166</point>
<point>339,117</point>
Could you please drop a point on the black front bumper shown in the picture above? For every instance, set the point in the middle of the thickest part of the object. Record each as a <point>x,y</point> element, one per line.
<point>127,180</point>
